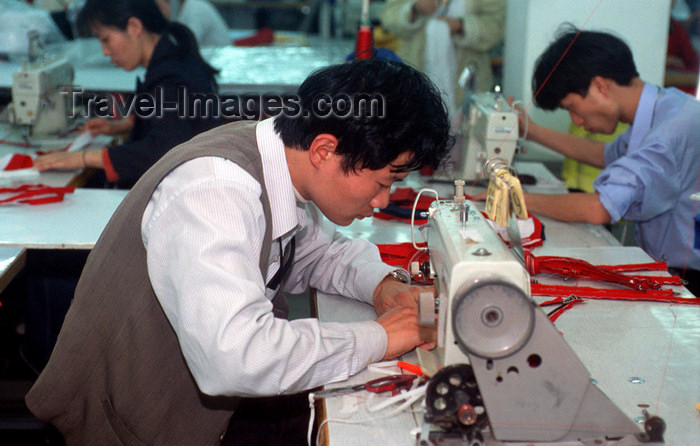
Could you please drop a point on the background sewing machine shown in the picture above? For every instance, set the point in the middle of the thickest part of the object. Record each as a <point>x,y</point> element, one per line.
<point>502,371</point>
<point>41,100</point>
<point>490,129</point>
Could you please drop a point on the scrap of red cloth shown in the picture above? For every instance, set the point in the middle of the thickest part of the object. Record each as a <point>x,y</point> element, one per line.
<point>398,254</point>
<point>402,255</point>
<point>19,161</point>
<point>34,194</point>
<point>264,36</point>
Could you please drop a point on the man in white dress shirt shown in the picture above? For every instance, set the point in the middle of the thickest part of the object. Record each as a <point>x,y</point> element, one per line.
<point>345,167</point>
<point>224,214</point>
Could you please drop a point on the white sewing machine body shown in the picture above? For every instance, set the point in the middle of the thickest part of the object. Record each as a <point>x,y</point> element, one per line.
<point>464,256</point>
<point>41,100</point>
<point>490,130</point>
<point>505,375</point>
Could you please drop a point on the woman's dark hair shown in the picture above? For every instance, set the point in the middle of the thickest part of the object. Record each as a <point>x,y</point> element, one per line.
<point>116,14</point>
<point>588,54</point>
<point>393,108</point>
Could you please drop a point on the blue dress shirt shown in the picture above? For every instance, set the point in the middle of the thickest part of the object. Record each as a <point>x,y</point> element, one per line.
<point>651,171</point>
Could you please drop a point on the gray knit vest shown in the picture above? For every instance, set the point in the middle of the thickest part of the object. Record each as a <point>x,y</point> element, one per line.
<point>117,374</point>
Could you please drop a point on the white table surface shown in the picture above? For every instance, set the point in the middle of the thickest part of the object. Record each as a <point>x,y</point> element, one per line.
<point>274,69</point>
<point>74,223</point>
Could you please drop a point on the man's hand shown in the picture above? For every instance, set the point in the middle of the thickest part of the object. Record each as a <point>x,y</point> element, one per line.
<point>524,121</point>
<point>391,293</point>
<point>404,333</point>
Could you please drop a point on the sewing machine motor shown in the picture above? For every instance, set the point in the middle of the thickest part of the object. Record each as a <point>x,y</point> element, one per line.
<point>41,102</point>
<point>501,372</point>
<point>490,130</point>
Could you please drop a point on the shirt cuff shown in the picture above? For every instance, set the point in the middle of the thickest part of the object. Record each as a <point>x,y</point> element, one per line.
<point>610,206</point>
<point>372,342</point>
<point>368,279</point>
<point>110,173</point>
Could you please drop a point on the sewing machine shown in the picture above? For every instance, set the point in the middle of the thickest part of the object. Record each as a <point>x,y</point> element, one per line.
<point>41,102</point>
<point>490,130</point>
<point>501,372</point>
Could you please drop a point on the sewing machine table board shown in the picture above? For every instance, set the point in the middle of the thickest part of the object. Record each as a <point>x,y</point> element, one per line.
<point>54,178</point>
<point>74,223</point>
<point>12,260</point>
<point>619,342</point>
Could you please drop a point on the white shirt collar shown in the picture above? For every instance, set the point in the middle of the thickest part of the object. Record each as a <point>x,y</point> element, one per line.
<point>299,198</point>
<point>278,181</point>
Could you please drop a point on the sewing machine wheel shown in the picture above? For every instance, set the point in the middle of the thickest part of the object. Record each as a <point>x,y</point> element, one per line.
<point>492,319</point>
<point>454,403</point>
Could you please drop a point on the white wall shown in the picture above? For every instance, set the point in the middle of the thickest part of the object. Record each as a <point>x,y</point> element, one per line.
<point>532,24</point>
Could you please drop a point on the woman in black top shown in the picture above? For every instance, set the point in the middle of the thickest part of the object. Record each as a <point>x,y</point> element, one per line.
<point>135,33</point>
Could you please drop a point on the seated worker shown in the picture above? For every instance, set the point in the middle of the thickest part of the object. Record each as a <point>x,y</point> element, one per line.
<point>202,18</point>
<point>180,316</point>
<point>135,33</point>
<point>443,38</point>
<point>649,172</point>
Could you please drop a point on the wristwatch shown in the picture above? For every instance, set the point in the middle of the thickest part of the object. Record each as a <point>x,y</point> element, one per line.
<point>401,275</point>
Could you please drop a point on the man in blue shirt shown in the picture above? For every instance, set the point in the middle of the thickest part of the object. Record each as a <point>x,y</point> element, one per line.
<point>649,172</point>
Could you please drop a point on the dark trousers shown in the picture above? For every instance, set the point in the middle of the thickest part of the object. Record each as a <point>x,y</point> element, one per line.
<point>274,421</point>
<point>51,277</point>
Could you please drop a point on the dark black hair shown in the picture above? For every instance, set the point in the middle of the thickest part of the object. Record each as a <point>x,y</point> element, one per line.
<point>411,115</point>
<point>588,54</point>
<point>116,14</point>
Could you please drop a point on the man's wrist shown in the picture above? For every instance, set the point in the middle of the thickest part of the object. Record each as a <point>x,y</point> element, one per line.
<point>401,275</point>
<point>388,288</point>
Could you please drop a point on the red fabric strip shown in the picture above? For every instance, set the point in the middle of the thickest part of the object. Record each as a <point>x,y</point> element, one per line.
<point>19,161</point>
<point>34,194</point>
<point>652,266</point>
<point>538,289</point>
<point>580,269</point>
<point>554,315</point>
